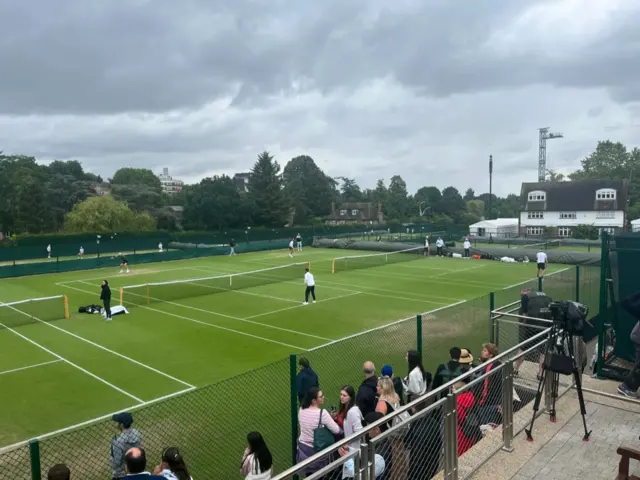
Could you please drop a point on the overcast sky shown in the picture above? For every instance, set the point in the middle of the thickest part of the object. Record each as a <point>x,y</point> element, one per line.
<point>369,88</point>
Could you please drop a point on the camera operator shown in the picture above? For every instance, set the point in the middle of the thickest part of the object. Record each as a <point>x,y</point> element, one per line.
<point>629,387</point>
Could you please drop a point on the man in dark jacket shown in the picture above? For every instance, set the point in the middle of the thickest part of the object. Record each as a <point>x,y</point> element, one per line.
<point>447,372</point>
<point>629,387</point>
<point>368,391</point>
<point>306,379</point>
<point>105,296</point>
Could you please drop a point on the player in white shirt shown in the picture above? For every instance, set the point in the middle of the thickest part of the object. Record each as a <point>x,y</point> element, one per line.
<point>81,252</point>
<point>541,260</point>
<point>310,284</point>
<point>160,247</point>
<point>291,248</point>
<point>439,246</point>
<point>426,246</point>
<point>49,251</point>
<point>467,248</point>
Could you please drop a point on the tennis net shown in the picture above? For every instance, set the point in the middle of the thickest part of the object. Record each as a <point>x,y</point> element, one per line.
<point>544,245</point>
<point>33,310</point>
<point>354,262</point>
<point>148,293</point>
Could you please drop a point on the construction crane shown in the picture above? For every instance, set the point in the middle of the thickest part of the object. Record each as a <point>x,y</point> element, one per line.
<point>542,151</point>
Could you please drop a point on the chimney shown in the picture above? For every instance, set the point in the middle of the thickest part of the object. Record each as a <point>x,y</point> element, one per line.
<point>380,216</point>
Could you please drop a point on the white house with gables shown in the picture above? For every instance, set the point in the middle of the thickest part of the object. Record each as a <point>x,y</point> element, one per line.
<point>565,205</point>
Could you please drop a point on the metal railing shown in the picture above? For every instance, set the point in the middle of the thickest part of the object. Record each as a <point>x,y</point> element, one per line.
<point>439,435</point>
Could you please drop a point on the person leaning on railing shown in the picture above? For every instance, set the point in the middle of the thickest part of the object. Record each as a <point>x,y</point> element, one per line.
<point>489,391</point>
<point>348,417</point>
<point>312,418</point>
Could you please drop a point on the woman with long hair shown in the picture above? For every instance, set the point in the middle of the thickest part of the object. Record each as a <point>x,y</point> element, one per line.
<point>418,380</point>
<point>172,466</point>
<point>312,416</point>
<point>257,461</point>
<point>349,417</point>
<point>388,400</point>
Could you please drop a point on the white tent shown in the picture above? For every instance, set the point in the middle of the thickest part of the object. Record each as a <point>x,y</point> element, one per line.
<point>500,227</point>
<point>635,225</point>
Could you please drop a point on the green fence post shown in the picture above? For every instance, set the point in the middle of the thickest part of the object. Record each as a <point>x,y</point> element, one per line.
<point>492,327</point>
<point>293,370</point>
<point>34,454</point>
<point>604,308</point>
<point>539,284</point>
<point>419,334</point>
<point>577,283</point>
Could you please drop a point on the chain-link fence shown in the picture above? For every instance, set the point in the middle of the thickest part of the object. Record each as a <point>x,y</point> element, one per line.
<point>210,424</point>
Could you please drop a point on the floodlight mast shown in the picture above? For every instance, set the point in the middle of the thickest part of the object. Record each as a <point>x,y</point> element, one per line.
<point>542,151</point>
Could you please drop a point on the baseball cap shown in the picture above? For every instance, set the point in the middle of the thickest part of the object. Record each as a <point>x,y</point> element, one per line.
<point>123,418</point>
<point>387,371</point>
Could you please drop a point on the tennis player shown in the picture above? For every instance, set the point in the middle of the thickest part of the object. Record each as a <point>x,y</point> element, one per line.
<point>299,242</point>
<point>310,284</point>
<point>541,260</point>
<point>124,263</point>
<point>81,252</point>
<point>49,251</point>
<point>439,246</point>
<point>426,246</point>
<point>291,248</point>
<point>467,248</point>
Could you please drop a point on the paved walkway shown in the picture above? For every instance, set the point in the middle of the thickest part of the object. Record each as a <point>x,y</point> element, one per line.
<point>558,452</point>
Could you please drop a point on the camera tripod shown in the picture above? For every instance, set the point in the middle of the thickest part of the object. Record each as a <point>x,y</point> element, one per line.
<point>559,358</point>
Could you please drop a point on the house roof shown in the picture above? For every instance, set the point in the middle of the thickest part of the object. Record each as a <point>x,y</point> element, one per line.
<point>498,222</point>
<point>574,196</point>
<point>364,211</point>
<point>635,222</point>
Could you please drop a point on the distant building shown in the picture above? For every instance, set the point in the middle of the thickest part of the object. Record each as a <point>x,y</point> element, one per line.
<point>563,206</point>
<point>348,213</point>
<point>102,189</point>
<point>242,181</point>
<point>169,184</point>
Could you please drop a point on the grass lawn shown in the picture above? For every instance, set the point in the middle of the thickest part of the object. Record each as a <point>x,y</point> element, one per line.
<point>60,373</point>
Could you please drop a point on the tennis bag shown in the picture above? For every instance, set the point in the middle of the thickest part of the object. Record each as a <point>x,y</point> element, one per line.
<point>90,309</point>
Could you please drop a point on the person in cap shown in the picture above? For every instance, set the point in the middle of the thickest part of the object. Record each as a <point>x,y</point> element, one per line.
<point>126,439</point>
<point>387,371</point>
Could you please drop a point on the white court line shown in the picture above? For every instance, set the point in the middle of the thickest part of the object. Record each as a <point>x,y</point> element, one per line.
<point>532,279</point>
<point>387,325</point>
<point>426,279</point>
<point>30,366</point>
<point>132,408</point>
<point>301,305</point>
<point>212,325</point>
<point>100,379</point>
<point>124,275</point>
<point>271,297</point>
<point>451,272</point>
<point>246,320</point>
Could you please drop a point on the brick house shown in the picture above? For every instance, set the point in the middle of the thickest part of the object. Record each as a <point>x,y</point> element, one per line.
<point>563,206</point>
<point>360,213</point>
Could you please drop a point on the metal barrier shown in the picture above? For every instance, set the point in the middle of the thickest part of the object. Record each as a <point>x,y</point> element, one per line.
<point>451,432</point>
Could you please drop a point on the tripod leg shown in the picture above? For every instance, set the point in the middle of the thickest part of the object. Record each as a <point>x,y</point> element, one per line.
<point>583,409</point>
<point>536,405</point>
<point>555,381</point>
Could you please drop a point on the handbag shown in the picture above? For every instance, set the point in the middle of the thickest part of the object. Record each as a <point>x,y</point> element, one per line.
<point>322,436</point>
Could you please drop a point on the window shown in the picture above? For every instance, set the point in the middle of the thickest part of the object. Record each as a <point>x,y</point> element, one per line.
<point>568,216</point>
<point>564,232</point>
<point>354,211</point>
<point>609,230</point>
<point>606,194</point>
<point>537,196</point>
<point>343,213</point>
<point>606,214</point>
<point>534,230</point>
<point>539,215</point>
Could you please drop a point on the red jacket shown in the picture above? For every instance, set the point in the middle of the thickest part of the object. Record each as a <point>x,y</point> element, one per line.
<point>465,402</point>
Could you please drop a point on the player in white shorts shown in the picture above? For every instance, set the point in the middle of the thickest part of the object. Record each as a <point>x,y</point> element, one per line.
<point>291,248</point>
<point>541,260</point>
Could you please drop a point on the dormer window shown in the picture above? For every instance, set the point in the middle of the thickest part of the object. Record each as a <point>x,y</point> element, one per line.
<point>354,212</point>
<point>537,196</point>
<point>343,213</point>
<point>606,194</point>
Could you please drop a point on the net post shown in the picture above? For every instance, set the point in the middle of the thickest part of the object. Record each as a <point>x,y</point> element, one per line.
<point>419,334</point>
<point>34,456</point>
<point>333,265</point>
<point>293,399</point>
<point>66,308</point>
<point>492,323</point>
<point>577,283</point>
<point>121,296</point>
<point>148,294</point>
<point>539,284</point>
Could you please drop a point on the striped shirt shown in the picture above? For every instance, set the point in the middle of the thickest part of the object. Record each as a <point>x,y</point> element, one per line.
<point>308,418</point>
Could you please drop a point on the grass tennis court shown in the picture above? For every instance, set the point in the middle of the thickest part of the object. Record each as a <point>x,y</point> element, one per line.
<point>54,374</point>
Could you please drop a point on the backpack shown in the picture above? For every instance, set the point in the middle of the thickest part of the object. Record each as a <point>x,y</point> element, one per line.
<point>448,374</point>
<point>471,425</point>
<point>400,420</point>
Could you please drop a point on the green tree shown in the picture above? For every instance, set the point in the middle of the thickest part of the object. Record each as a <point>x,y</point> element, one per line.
<point>555,177</point>
<point>350,191</point>
<point>452,203</point>
<point>214,204</point>
<point>397,198</point>
<point>469,195</point>
<point>266,193</point>
<point>136,177</point>
<point>105,214</point>
<point>476,207</point>
<point>140,197</point>
<point>381,194</point>
<point>429,200</point>
<point>318,192</point>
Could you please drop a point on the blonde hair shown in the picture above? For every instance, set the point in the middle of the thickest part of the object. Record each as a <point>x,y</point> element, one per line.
<point>388,393</point>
